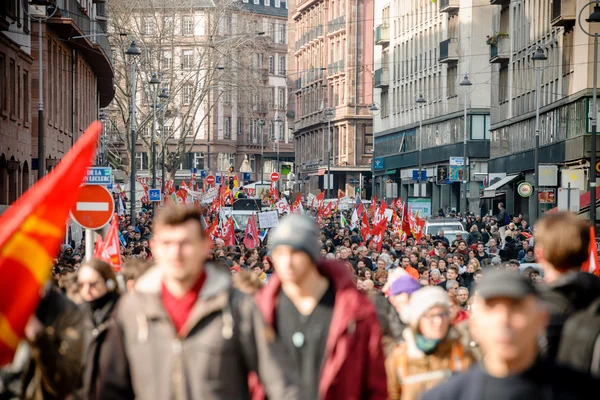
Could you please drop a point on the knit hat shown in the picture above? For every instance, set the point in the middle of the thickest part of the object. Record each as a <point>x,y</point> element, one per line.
<point>299,232</point>
<point>421,301</point>
<point>404,284</point>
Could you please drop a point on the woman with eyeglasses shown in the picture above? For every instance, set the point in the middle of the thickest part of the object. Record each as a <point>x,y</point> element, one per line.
<point>99,291</point>
<point>431,350</point>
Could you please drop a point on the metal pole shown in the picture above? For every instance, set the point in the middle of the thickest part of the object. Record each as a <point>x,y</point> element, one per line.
<point>569,196</point>
<point>419,152</point>
<point>464,180</point>
<point>163,170</point>
<point>154,140</point>
<point>262,150</point>
<point>89,244</point>
<point>41,152</point>
<point>208,134</point>
<point>133,140</point>
<point>278,168</point>
<point>328,157</point>
<point>593,113</point>
<point>536,155</point>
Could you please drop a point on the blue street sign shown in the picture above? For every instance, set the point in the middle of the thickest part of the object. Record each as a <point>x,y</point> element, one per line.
<point>98,176</point>
<point>193,170</point>
<point>378,163</point>
<point>415,175</point>
<point>246,176</point>
<point>354,181</point>
<point>154,195</point>
<point>202,174</point>
<point>218,177</point>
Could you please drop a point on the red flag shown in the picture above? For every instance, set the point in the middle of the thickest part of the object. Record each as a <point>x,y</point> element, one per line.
<point>98,247</point>
<point>591,265</point>
<point>213,229</point>
<point>32,232</point>
<point>378,233</point>
<point>373,205</point>
<point>418,227</point>
<point>111,249</point>
<point>365,229</point>
<point>327,211</point>
<point>228,232</point>
<point>319,199</point>
<point>251,240</point>
<point>406,226</point>
<point>340,194</point>
<point>296,205</point>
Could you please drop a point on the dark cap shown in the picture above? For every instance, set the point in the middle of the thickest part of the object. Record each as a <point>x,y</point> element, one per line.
<point>505,283</point>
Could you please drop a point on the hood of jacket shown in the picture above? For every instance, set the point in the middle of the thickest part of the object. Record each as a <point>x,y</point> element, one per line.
<point>572,292</point>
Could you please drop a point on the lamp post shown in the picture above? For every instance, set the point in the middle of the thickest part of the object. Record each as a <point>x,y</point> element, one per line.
<point>163,96</point>
<point>276,123</point>
<point>538,56</point>
<point>261,124</point>
<point>465,83</point>
<point>329,113</point>
<point>420,100</point>
<point>154,82</point>
<point>133,51</point>
<point>374,109</point>
<point>593,18</point>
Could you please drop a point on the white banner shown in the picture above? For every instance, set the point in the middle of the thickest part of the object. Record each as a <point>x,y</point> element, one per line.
<point>268,219</point>
<point>344,204</point>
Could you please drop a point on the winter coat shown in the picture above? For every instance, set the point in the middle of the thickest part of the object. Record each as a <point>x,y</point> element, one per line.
<point>410,372</point>
<point>223,340</point>
<point>353,367</point>
<point>572,292</point>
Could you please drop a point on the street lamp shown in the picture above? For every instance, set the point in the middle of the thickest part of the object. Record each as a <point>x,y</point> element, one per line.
<point>163,96</point>
<point>374,109</point>
<point>538,56</point>
<point>276,123</point>
<point>154,82</point>
<point>594,18</point>
<point>420,100</point>
<point>329,113</point>
<point>466,85</point>
<point>133,51</point>
<point>261,124</point>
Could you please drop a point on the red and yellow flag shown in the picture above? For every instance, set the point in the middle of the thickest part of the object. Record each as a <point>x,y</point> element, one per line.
<point>32,231</point>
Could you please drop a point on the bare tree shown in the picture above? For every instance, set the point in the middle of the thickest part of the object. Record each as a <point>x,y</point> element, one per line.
<point>203,52</point>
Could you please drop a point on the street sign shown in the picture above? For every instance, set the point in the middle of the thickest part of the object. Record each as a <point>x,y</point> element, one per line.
<point>457,161</point>
<point>415,174</point>
<point>378,163</point>
<point>209,180</point>
<point>154,195</point>
<point>193,170</point>
<point>274,176</point>
<point>218,179</point>
<point>547,196</point>
<point>94,207</point>
<point>98,176</point>
<point>202,173</point>
<point>525,189</point>
<point>246,176</point>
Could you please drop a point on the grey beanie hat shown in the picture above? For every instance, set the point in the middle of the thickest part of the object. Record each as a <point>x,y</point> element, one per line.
<point>299,232</point>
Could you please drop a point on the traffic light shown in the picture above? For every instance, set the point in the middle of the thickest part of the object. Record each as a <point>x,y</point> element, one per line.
<point>231,182</point>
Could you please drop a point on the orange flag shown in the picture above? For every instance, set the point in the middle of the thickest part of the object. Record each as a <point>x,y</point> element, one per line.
<point>591,265</point>
<point>31,235</point>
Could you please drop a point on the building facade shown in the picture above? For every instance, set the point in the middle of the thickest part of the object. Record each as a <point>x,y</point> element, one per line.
<point>226,107</point>
<point>77,81</point>
<point>423,50</point>
<point>330,67</point>
<point>565,97</point>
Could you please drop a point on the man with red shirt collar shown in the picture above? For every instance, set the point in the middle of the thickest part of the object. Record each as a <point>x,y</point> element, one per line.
<point>184,333</point>
<point>328,327</point>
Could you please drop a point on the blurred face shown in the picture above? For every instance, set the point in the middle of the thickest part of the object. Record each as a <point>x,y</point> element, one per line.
<point>492,242</point>
<point>480,248</point>
<point>506,329</point>
<point>477,277</point>
<point>323,252</point>
<point>462,296</point>
<point>442,265</point>
<point>292,266</point>
<point>400,301</point>
<point>180,250</point>
<point>381,265</point>
<point>344,253</point>
<point>91,284</point>
<point>451,274</point>
<point>257,270</point>
<point>413,259</point>
<point>425,275</point>
<point>368,274</point>
<point>462,246</point>
<point>434,324</point>
<point>452,289</point>
<point>435,276</point>
<point>471,268</point>
<point>405,262</point>
<point>361,264</point>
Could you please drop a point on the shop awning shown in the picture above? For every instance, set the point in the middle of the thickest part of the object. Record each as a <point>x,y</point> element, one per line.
<point>320,172</point>
<point>584,201</point>
<point>390,172</point>
<point>490,192</point>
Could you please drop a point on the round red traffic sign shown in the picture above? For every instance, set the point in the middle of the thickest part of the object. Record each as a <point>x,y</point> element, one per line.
<point>94,207</point>
<point>274,176</point>
<point>210,180</point>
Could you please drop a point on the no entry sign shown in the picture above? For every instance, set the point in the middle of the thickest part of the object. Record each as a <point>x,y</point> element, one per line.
<point>274,176</point>
<point>94,207</point>
<point>210,180</point>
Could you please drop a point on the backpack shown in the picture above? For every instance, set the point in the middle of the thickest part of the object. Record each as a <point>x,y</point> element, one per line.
<point>506,218</point>
<point>579,345</point>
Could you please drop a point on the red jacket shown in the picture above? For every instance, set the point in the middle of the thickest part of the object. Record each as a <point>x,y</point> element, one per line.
<point>354,365</point>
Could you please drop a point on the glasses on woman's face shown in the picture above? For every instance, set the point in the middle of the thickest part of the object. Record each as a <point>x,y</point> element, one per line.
<point>441,315</point>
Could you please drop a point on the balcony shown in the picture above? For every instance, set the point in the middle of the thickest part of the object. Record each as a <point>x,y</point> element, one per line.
<point>381,80</point>
<point>563,13</point>
<point>449,6</point>
<point>499,2</point>
<point>382,35</point>
<point>336,24</point>
<point>500,52</point>
<point>298,84</point>
<point>449,51</point>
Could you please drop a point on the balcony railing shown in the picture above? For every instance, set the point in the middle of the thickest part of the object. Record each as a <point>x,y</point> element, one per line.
<point>449,6</point>
<point>336,24</point>
<point>448,51</point>
<point>563,13</point>
<point>381,79</point>
<point>298,84</point>
<point>500,52</point>
<point>309,35</point>
<point>382,35</point>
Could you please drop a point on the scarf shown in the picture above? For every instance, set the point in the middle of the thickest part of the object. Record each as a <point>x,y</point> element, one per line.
<point>427,346</point>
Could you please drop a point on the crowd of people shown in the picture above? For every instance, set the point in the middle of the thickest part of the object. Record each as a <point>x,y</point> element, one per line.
<point>318,311</point>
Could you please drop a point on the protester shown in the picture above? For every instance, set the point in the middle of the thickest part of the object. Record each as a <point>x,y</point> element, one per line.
<point>184,324</point>
<point>329,329</point>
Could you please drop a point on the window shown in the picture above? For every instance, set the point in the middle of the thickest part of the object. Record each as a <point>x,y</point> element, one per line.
<point>256,1</point>
<point>3,86</point>
<point>451,81</point>
<point>168,25</point>
<point>281,129</point>
<point>480,127</point>
<point>13,83</point>
<point>272,97</point>
<point>277,3</point>
<point>25,96</point>
<point>227,128</point>
<point>226,97</point>
<point>271,131</point>
<point>147,26</point>
<point>232,159</point>
<point>252,160</point>
<point>271,64</point>
<point>503,84</point>
<point>282,34</point>
<point>368,139</point>
<point>186,94</point>
<point>187,59</point>
<point>281,98</point>
<point>198,160</point>
<point>267,3</point>
<point>141,161</point>
<point>187,25</point>
<point>282,65</point>
<point>166,60</point>
<point>240,125</point>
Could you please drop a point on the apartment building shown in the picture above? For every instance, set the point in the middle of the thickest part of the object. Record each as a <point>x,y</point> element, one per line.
<point>223,65</point>
<point>565,98</point>
<point>423,50</point>
<point>77,81</point>
<point>331,67</point>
